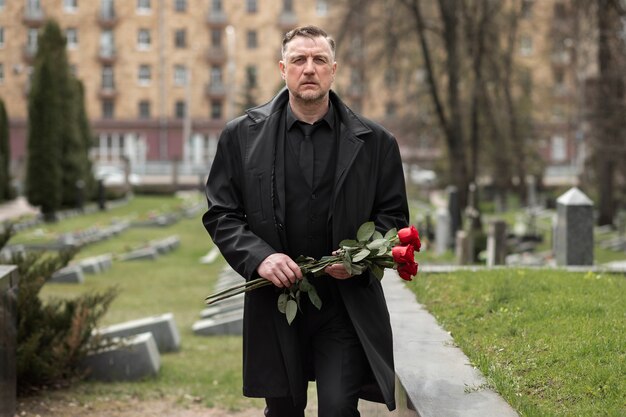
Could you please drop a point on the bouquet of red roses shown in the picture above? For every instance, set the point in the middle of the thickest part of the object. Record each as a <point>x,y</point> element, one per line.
<point>370,250</point>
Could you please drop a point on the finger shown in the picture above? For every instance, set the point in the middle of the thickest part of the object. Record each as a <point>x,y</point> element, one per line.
<point>294,269</point>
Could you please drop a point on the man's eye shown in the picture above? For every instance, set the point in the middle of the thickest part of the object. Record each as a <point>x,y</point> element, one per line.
<point>320,60</point>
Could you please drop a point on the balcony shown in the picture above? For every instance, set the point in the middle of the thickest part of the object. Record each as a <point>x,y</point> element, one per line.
<point>107,91</point>
<point>33,17</point>
<point>287,20</point>
<point>107,54</point>
<point>217,19</point>
<point>216,55</point>
<point>215,90</point>
<point>29,53</point>
<point>107,18</point>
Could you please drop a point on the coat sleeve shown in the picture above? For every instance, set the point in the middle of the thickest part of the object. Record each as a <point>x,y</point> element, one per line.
<point>390,204</point>
<point>225,219</point>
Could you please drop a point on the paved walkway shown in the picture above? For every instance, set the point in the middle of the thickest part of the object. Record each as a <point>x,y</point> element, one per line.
<point>16,208</point>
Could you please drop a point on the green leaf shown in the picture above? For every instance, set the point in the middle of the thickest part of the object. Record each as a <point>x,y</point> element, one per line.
<point>383,250</point>
<point>377,271</point>
<point>377,235</point>
<point>361,255</point>
<point>391,233</point>
<point>365,231</point>
<point>282,302</point>
<point>291,310</point>
<point>350,243</point>
<point>377,243</point>
<point>315,299</point>
<point>348,266</point>
<point>304,285</point>
<point>358,269</point>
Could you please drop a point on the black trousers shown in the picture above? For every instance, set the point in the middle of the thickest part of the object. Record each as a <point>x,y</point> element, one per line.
<point>333,356</point>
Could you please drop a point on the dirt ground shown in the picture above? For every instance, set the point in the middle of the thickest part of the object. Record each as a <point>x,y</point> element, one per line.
<point>131,407</point>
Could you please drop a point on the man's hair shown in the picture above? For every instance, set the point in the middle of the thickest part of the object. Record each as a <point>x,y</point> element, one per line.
<point>308,32</point>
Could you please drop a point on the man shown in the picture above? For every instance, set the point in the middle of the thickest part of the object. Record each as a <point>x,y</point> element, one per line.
<point>294,177</point>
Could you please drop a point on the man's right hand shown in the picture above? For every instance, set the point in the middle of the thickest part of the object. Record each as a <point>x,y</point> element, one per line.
<point>280,269</point>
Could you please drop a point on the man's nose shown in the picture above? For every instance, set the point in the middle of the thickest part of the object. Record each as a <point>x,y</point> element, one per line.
<point>309,66</point>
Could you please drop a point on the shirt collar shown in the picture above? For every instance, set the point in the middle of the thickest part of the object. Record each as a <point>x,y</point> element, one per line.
<point>329,117</point>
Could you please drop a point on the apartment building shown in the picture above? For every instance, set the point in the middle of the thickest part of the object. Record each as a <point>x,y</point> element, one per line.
<point>161,76</point>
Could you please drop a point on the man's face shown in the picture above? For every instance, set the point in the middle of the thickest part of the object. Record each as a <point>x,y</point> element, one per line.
<point>308,68</point>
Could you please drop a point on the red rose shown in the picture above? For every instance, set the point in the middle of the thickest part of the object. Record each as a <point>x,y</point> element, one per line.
<point>408,270</point>
<point>403,254</point>
<point>410,236</point>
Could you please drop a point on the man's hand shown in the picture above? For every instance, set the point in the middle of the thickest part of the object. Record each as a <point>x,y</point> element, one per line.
<point>337,271</point>
<point>280,269</point>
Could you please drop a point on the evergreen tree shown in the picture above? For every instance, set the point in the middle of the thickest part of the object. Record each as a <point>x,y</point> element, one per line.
<point>72,147</point>
<point>45,121</point>
<point>5,155</point>
<point>86,137</point>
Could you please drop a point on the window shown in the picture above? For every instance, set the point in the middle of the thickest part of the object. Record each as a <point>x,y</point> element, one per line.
<point>180,38</point>
<point>108,109</point>
<point>251,6</point>
<point>216,109</point>
<point>527,9</point>
<point>143,6</point>
<point>526,45</point>
<point>107,9</point>
<point>108,79</point>
<point>216,6</point>
<point>70,5</point>
<point>1,72</point>
<point>71,34</point>
<point>251,76</point>
<point>144,76</point>
<point>180,75</point>
<point>216,76</point>
<point>558,148</point>
<point>143,39</point>
<point>33,7</point>
<point>107,43</point>
<point>2,2</point>
<point>180,109</point>
<point>252,39</point>
<point>31,40</point>
<point>144,109</point>
<point>216,38</point>
<point>1,37</point>
<point>321,8</point>
<point>288,6</point>
<point>180,5</point>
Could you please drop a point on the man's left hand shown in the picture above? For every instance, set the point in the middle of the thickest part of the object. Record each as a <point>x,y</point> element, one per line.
<point>337,271</point>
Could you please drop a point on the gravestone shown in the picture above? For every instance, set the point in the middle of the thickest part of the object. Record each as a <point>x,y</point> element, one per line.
<point>96,264</point>
<point>8,338</point>
<point>574,229</point>
<point>442,231</point>
<point>531,191</point>
<point>127,360</point>
<point>163,329</point>
<point>148,253</point>
<point>464,248</point>
<point>454,208</point>
<point>496,243</point>
<point>228,324</point>
<point>72,274</point>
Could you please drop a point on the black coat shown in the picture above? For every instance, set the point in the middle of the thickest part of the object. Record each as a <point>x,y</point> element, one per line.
<point>245,218</point>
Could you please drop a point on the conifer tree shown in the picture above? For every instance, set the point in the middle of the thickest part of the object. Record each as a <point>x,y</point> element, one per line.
<point>45,121</point>
<point>5,155</point>
<point>86,136</point>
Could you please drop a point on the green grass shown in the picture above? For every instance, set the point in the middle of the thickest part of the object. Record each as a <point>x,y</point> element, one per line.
<point>552,343</point>
<point>208,368</point>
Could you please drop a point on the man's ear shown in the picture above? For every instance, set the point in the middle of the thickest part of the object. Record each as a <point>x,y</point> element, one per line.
<point>281,65</point>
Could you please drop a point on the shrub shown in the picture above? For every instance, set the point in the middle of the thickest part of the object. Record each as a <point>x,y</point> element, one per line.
<point>54,335</point>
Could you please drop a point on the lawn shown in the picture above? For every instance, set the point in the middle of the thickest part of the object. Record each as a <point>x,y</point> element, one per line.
<point>552,343</point>
<point>207,369</point>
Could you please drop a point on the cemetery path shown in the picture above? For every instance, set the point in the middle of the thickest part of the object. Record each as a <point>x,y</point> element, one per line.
<point>16,208</point>
<point>46,407</point>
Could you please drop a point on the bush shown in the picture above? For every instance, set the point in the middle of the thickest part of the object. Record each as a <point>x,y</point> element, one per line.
<point>53,336</point>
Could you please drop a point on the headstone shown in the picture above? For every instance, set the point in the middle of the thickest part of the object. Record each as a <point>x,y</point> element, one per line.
<point>531,191</point>
<point>211,256</point>
<point>464,248</point>
<point>166,245</point>
<point>442,231</point>
<point>131,359</point>
<point>454,208</point>
<point>496,243</point>
<point>96,264</point>
<point>72,274</point>
<point>163,329</point>
<point>574,230</point>
<point>148,253</point>
<point>227,325</point>
<point>8,338</point>
<point>218,310</point>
